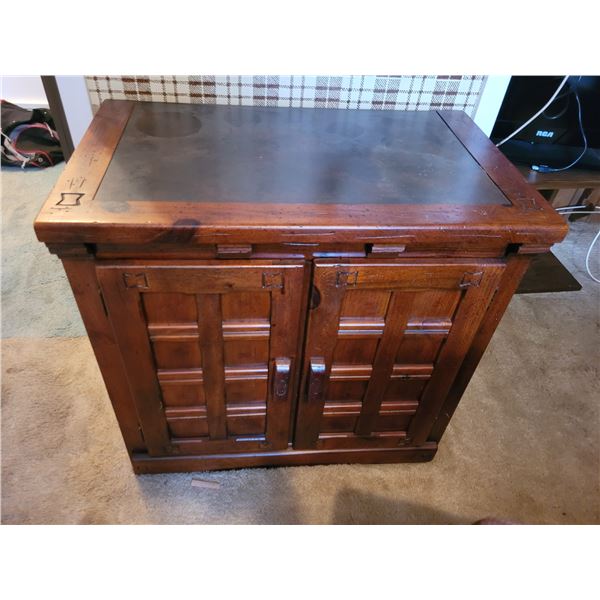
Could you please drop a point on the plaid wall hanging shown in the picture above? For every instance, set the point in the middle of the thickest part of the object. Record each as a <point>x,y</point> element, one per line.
<point>379,92</point>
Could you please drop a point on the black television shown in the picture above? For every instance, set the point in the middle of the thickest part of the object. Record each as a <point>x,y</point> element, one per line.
<point>554,138</point>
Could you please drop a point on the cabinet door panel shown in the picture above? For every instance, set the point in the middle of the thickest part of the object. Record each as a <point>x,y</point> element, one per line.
<point>210,350</point>
<point>383,347</point>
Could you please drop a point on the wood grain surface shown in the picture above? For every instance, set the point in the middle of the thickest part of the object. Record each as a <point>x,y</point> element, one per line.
<point>266,286</point>
<point>245,175</point>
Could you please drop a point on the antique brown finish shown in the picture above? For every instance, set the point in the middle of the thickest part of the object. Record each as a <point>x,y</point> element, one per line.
<point>266,286</point>
<point>203,344</point>
<point>388,338</point>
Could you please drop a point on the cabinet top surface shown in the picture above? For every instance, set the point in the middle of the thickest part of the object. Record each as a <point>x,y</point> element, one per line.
<point>207,153</point>
<point>155,172</point>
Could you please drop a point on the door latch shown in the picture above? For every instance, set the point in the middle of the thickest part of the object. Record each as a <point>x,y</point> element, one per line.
<point>471,279</point>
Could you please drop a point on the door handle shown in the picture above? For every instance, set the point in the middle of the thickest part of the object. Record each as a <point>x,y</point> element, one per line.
<point>281,379</point>
<point>316,379</point>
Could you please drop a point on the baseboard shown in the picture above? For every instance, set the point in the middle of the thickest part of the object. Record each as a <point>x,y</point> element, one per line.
<point>143,463</point>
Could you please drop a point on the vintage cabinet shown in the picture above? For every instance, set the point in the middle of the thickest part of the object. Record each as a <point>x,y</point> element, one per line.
<point>270,286</point>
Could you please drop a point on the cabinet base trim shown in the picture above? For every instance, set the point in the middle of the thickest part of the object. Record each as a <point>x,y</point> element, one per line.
<point>142,463</point>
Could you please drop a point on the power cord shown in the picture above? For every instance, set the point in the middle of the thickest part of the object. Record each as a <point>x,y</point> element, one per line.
<point>537,114</point>
<point>587,257</point>
<point>568,210</point>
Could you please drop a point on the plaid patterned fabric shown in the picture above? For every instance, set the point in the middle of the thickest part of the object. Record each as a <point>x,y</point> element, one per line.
<point>380,92</point>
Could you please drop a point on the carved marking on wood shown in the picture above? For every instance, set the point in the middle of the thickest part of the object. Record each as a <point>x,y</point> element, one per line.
<point>272,280</point>
<point>346,278</point>
<point>472,279</point>
<point>70,199</point>
<point>76,182</point>
<point>136,280</point>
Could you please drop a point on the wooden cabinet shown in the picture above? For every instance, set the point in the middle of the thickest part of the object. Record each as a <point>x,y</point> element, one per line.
<point>385,341</point>
<point>211,351</point>
<point>315,286</point>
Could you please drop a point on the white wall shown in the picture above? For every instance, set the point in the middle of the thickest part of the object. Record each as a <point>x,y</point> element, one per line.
<point>27,92</point>
<point>76,104</point>
<point>490,102</point>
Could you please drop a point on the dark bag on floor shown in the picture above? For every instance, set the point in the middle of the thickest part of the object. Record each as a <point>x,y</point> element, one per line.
<point>29,138</point>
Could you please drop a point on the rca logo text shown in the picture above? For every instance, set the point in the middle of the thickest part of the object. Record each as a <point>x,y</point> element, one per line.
<point>546,134</point>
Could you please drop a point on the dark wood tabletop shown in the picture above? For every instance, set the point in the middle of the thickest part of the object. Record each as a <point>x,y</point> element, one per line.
<point>204,153</point>
<point>154,172</point>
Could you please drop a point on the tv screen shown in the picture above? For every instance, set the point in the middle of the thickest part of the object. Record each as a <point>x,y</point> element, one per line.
<point>554,138</point>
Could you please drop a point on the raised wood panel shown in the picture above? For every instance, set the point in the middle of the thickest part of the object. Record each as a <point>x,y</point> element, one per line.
<point>364,303</point>
<point>176,353</point>
<point>248,390</point>
<point>246,351</point>
<point>355,351</point>
<point>434,307</point>
<point>188,426</point>
<point>346,391</point>
<point>161,308</point>
<point>247,305</point>
<point>211,348</point>
<point>183,393</point>
<point>247,419</point>
<point>408,388</point>
<point>420,347</point>
<point>348,441</point>
<point>389,338</point>
<point>343,416</point>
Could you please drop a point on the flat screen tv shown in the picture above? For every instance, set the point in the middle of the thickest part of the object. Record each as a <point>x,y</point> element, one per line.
<point>554,138</point>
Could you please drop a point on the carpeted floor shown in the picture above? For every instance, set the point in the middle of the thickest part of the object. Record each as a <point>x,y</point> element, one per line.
<point>524,444</point>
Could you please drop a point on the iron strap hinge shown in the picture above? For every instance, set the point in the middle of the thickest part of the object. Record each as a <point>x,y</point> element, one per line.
<point>136,280</point>
<point>471,279</point>
<point>346,278</point>
<point>272,281</point>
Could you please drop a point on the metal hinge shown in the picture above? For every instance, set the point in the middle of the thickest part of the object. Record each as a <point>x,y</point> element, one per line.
<point>346,278</point>
<point>272,280</point>
<point>136,280</point>
<point>472,279</point>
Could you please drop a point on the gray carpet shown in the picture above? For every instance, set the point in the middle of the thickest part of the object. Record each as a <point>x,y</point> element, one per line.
<point>524,444</point>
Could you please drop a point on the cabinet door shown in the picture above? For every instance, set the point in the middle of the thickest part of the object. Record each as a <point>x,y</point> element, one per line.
<point>210,351</point>
<point>385,341</point>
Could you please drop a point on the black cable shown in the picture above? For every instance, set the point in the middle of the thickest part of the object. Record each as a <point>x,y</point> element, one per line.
<point>562,111</point>
<point>546,168</point>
